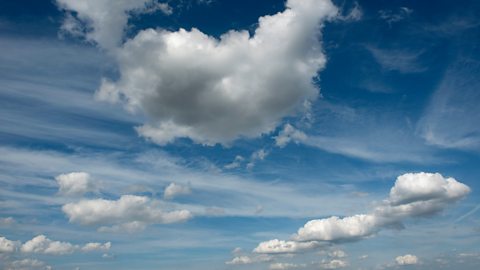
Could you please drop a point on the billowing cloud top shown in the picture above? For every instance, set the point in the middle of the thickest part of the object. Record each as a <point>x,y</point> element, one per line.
<point>211,90</point>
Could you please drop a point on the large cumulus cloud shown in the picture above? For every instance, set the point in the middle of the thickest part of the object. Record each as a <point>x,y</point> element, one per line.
<point>215,90</point>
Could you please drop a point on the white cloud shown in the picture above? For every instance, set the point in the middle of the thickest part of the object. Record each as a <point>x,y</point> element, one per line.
<point>174,190</point>
<point>7,246</point>
<point>258,155</point>
<point>28,264</point>
<point>406,259</point>
<point>288,134</point>
<point>75,183</point>
<point>235,163</point>
<point>104,21</point>
<point>337,254</point>
<point>337,229</point>
<point>218,90</point>
<point>249,259</point>
<point>333,264</point>
<point>276,246</point>
<point>422,186</point>
<point>413,195</point>
<point>124,211</point>
<point>42,245</point>
<point>97,247</point>
<point>285,266</point>
<point>420,194</point>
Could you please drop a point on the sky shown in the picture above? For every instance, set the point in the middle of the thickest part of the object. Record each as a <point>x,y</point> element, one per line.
<point>222,134</point>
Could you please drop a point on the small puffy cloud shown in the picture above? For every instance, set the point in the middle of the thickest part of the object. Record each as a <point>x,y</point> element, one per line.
<point>333,264</point>
<point>174,190</point>
<point>124,211</point>
<point>288,134</point>
<point>249,259</point>
<point>7,246</point>
<point>337,229</point>
<point>285,266</point>
<point>256,156</point>
<point>406,260</point>
<point>421,194</point>
<point>42,245</point>
<point>215,90</point>
<point>28,264</point>
<point>276,246</point>
<point>337,254</point>
<point>97,247</point>
<point>75,183</point>
<point>237,162</point>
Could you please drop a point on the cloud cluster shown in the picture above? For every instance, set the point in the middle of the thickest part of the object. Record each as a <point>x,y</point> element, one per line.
<point>75,184</point>
<point>127,211</point>
<point>413,195</point>
<point>406,260</point>
<point>40,244</point>
<point>211,90</point>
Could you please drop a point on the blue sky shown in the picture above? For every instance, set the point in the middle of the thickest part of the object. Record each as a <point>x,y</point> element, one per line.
<point>195,134</point>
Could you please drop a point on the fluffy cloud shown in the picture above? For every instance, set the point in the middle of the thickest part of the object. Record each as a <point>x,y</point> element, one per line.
<point>406,259</point>
<point>413,195</point>
<point>42,245</point>
<point>28,264</point>
<point>75,183</point>
<point>337,229</point>
<point>97,247</point>
<point>333,264</point>
<point>124,211</point>
<point>420,194</point>
<point>276,246</point>
<point>174,190</point>
<point>7,246</point>
<point>249,260</point>
<point>210,90</point>
<point>104,21</point>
